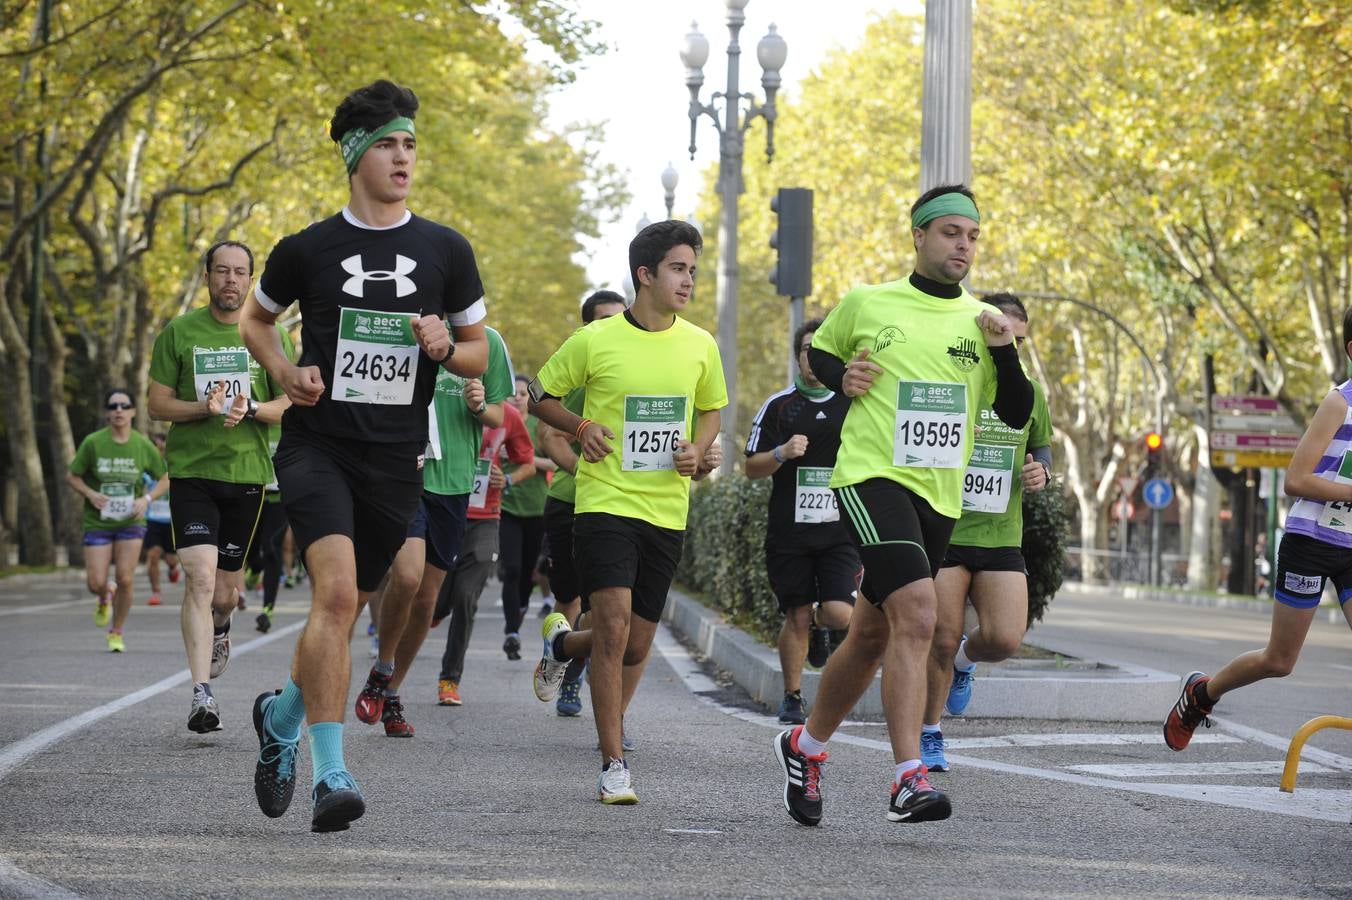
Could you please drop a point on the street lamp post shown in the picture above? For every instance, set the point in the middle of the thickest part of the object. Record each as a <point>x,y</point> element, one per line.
<point>771,52</point>
<point>669,179</point>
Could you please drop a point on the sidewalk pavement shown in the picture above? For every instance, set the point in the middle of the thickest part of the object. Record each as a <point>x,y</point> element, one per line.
<point>1058,689</point>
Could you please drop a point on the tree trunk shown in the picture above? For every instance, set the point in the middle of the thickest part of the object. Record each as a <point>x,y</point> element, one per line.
<point>61,441</point>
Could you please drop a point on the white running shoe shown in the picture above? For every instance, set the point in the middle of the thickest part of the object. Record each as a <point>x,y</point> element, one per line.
<point>615,787</point>
<point>549,673</point>
<point>220,654</point>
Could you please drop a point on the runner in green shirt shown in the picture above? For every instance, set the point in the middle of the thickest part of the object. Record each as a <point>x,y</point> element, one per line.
<point>560,448</point>
<point>521,531</point>
<point>107,471</point>
<point>919,357</point>
<point>985,558</point>
<point>221,402</point>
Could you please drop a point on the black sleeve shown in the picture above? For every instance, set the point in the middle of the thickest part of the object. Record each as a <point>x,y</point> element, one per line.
<point>763,436</point>
<point>1042,455</point>
<point>830,371</point>
<point>1013,391</point>
<point>280,281</point>
<point>463,286</point>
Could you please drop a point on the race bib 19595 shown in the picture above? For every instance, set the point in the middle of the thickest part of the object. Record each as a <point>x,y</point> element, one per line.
<point>931,419</point>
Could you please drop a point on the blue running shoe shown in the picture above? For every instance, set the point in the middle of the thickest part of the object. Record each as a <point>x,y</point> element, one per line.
<point>960,694</point>
<point>932,751</point>
<point>570,698</point>
<point>338,801</point>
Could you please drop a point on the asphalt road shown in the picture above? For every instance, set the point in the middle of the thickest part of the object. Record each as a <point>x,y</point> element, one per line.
<point>104,792</point>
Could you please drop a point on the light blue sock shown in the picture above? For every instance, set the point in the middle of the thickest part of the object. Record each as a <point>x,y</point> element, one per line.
<point>326,750</point>
<point>284,713</point>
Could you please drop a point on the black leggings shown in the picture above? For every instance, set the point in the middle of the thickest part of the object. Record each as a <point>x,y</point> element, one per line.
<point>266,552</point>
<point>519,540</point>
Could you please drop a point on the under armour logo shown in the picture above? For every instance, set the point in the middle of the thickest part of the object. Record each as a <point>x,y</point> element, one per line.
<point>403,285</point>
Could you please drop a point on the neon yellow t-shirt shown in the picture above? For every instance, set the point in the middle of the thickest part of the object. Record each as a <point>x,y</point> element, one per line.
<point>646,387</point>
<point>915,425</point>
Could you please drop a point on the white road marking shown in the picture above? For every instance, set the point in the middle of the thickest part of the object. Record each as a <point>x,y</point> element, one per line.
<point>44,607</point>
<point>1075,740</point>
<point>1341,666</point>
<point>692,831</point>
<point>17,753</point>
<point>1308,803</point>
<point>1332,760</point>
<point>682,663</point>
<point>1191,770</point>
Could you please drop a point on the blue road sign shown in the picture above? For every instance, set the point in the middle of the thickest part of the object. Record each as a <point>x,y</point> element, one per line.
<point>1158,493</point>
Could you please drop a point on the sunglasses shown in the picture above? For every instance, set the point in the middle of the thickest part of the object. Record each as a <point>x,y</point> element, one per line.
<point>113,406</point>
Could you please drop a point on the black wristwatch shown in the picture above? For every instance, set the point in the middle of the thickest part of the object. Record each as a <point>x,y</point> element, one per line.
<point>449,353</point>
<point>252,410</point>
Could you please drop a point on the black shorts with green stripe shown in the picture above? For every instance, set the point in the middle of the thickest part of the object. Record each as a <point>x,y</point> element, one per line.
<point>901,538</point>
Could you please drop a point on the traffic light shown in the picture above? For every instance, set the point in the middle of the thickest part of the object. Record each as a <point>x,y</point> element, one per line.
<point>1154,445</point>
<point>792,237</point>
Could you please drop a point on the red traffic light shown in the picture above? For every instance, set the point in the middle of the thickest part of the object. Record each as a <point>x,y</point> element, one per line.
<point>1153,441</point>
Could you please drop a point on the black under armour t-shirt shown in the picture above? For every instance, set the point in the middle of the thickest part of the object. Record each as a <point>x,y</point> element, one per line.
<point>360,288</point>
<point>803,512</point>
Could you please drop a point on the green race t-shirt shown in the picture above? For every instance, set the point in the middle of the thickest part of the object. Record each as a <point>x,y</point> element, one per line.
<point>454,435</point>
<point>915,425</point>
<point>192,353</point>
<point>992,491</point>
<point>527,500</point>
<point>115,470</point>
<point>564,486</point>
<point>646,387</point>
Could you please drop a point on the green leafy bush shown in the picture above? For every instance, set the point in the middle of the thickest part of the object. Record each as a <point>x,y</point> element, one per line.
<point>1046,528</point>
<point>724,556</point>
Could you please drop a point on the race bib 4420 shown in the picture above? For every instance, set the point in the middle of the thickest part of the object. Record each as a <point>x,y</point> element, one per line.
<point>376,359</point>
<point>229,366</point>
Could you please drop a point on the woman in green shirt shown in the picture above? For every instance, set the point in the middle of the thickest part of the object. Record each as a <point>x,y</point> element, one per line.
<point>107,471</point>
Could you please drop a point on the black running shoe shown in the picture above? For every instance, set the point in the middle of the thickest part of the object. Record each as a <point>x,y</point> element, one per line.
<point>338,801</point>
<point>791,709</point>
<point>819,646</point>
<point>264,620</point>
<point>512,647</point>
<point>914,799</point>
<point>802,779</point>
<point>275,771</point>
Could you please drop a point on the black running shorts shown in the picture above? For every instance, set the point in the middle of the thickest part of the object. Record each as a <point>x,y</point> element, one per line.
<point>219,513</point>
<point>901,538</point>
<point>803,577</point>
<point>618,551</point>
<point>440,521</point>
<point>559,535</point>
<point>985,559</point>
<point>1302,565</point>
<point>363,490</point>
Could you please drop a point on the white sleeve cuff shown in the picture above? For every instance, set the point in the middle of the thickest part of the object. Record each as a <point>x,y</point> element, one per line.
<point>267,302</point>
<point>475,312</point>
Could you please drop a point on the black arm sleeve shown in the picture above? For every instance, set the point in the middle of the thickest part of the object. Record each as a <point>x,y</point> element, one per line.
<point>1013,391</point>
<point>1042,455</point>
<point>830,371</point>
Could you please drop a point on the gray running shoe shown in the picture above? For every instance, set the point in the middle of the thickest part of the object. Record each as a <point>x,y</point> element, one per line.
<point>204,716</point>
<point>220,654</point>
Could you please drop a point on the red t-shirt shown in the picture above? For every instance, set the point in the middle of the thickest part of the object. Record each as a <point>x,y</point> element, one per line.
<point>508,443</point>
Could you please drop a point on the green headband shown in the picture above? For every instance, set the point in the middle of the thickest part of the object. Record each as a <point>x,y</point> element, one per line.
<point>359,140</point>
<point>951,204</point>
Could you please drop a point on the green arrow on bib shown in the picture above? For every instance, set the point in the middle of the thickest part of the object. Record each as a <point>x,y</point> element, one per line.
<point>353,393</point>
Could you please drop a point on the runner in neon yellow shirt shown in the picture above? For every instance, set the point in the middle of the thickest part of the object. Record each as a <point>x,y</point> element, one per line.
<point>654,388</point>
<point>919,357</point>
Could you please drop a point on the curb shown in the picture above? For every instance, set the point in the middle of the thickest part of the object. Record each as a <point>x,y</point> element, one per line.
<point>1017,689</point>
<point>1261,606</point>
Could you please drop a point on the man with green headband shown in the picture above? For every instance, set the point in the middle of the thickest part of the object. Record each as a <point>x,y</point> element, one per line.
<point>376,286</point>
<point>813,565</point>
<point>919,358</point>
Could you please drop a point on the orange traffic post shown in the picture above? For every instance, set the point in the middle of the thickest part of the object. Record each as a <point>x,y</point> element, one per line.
<point>1298,742</point>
